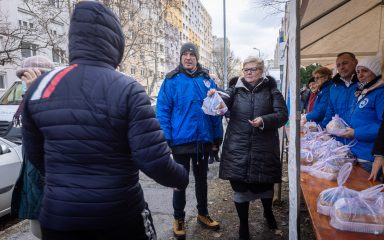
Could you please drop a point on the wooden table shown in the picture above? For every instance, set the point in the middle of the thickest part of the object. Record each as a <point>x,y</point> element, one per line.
<point>311,188</point>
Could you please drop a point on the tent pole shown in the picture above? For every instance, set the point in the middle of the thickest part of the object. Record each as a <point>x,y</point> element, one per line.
<point>294,117</point>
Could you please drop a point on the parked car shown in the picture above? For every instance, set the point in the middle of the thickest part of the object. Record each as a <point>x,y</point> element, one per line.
<point>9,103</point>
<point>10,165</point>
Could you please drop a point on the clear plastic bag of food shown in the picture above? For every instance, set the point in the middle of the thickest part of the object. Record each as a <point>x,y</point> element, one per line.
<point>306,160</point>
<point>336,126</point>
<point>329,196</point>
<point>325,170</point>
<point>311,127</point>
<point>363,213</point>
<point>214,104</point>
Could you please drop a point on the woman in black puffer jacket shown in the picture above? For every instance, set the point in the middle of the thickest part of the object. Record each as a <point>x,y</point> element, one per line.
<point>250,157</point>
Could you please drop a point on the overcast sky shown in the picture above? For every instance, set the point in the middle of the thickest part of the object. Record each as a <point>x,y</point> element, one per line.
<point>248,26</point>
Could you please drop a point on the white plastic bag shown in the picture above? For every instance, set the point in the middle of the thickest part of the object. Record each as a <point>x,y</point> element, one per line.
<point>336,126</point>
<point>329,196</point>
<point>364,213</point>
<point>214,104</point>
<point>311,127</point>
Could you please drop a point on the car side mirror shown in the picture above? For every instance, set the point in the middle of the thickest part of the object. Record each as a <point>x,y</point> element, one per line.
<point>4,149</point>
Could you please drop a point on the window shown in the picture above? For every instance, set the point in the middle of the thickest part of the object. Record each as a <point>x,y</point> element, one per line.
<point>58,55</point>
<point>2,80</point>
<point>130,34</point>
<point>23,24</point>
<point>28,49</point>
<point>55,3</point>
<point>133,71</point>
<point>142,72</point>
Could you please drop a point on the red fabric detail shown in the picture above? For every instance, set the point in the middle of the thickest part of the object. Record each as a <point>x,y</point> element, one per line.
<point>55,81</point>
<point>311,102</point>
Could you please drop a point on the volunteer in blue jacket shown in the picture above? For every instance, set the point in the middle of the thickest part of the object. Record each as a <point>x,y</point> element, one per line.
<point>189,131</point>
<point>342,91</point>
<point>367,111</point>
<point>322,77</point>
<point>88,130</point>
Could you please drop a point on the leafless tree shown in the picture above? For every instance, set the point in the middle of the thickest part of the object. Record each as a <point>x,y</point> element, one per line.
<point>233,65</point>
<point>274,6</point>
<point>37,29</point>
<point>145,29</point>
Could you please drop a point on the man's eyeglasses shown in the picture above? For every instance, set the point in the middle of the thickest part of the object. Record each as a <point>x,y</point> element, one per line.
<point>252,70</point>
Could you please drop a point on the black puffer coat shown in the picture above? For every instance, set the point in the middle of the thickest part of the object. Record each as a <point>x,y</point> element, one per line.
<point>251,154</point>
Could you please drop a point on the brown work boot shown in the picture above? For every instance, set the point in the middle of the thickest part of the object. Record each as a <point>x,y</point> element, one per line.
<point>208,222</point>
<point>179,228</point>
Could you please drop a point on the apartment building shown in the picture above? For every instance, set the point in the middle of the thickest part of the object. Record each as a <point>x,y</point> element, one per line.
<point>29,29</point>
<point>154,32</point>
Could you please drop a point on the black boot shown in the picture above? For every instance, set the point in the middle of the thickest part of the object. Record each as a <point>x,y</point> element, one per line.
<point>216,154</point>
<point>211,157</point>
<point>242,212</point>
<point>268,213</point>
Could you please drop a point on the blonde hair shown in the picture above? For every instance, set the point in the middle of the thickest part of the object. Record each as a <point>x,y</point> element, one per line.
<point>259,62</point>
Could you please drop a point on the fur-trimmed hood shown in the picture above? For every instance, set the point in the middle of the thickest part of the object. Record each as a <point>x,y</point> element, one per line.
<point>267,81</point>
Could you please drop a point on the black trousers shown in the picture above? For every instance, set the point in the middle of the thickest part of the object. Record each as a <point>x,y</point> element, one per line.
<point>140,228</point>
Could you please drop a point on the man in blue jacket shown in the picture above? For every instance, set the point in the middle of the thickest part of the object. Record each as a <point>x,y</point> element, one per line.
<point>342,92</point>
<point>189,132</point>
<point>89,130</point>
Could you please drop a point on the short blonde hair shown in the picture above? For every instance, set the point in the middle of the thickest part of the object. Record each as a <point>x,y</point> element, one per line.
<point>259,62</point>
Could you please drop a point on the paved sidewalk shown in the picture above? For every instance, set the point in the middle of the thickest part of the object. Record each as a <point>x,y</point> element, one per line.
<point>159,199</point>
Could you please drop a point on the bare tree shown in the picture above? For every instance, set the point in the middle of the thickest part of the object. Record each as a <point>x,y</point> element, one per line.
<point>275,6</point>
<point>36,32</point>
<point>145,28</point>
<point>233,65</point>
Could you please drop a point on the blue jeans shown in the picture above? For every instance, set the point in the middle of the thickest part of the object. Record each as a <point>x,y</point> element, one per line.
<point>200,168</point>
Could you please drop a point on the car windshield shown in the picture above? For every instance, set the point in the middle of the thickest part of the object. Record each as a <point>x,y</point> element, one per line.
<point>13,96</point>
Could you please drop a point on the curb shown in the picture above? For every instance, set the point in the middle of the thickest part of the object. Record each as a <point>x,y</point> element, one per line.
<point>14,229</point>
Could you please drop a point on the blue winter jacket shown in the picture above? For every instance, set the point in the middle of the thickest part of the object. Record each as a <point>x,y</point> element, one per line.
<point>179,109</point>
<point>366,118</point>
<point>320,107</point>
<point>89,130</point>
<point>341,100</point>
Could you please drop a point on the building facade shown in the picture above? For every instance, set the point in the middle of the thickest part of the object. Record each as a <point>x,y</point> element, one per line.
<point>30,28</point>
<point>154,32</point>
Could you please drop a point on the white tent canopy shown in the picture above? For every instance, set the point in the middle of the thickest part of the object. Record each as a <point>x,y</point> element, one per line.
<point>326,28</point>
<point>329,27</point>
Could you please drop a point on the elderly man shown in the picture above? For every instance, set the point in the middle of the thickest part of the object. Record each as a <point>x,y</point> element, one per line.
<point>189,132</point>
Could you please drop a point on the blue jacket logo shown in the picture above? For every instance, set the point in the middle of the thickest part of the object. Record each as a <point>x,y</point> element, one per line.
<point>363,103</point>
<point>207,83</point>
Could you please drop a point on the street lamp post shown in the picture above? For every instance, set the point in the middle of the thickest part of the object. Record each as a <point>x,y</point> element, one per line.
<point>225,49</point>
<point>257,50</point>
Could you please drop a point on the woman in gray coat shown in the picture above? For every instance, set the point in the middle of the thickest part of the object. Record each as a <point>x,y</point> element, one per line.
<point>250,158</point>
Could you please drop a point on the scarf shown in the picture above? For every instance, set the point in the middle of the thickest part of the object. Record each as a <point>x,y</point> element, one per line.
<point>360,93</point>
